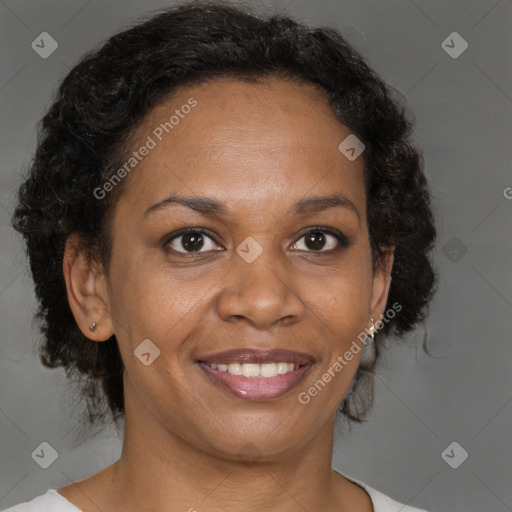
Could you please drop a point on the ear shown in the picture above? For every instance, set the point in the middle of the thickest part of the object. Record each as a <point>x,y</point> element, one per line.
<point>87,291</point>
<point>381,283</point>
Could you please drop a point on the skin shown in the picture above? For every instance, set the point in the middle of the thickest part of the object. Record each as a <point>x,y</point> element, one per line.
<point>258,148</point>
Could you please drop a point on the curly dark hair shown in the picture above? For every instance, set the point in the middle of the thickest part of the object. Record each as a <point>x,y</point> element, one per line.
<point>85,135</point>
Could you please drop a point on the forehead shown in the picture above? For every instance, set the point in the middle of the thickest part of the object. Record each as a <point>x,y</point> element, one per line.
<point>269,114</point>
<point>260,140</point>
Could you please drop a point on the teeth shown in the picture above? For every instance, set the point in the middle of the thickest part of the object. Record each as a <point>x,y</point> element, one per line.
<point>282,368</point>
<point>250,370</point>
<point>235,369</point>
<point>268,370</point>
<point>255,370</point>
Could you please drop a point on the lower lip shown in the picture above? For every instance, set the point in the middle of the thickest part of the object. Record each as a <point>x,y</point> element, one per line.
<point>256,388</point>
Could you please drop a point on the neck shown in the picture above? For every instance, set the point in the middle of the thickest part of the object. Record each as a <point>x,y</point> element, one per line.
<point>178,473</point>
<point>158,468</point>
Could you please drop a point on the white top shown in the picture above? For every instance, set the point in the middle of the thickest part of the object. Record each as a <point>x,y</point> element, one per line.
<point>52,501</point>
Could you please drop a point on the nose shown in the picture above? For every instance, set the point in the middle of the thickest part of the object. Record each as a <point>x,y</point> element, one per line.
<point>262,293</point>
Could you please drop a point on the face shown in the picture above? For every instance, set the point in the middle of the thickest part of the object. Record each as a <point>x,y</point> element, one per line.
<point>270,269</point>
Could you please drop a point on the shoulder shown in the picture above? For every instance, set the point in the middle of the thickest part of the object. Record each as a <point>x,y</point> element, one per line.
<point>51,501</point>
<point>382,502</point>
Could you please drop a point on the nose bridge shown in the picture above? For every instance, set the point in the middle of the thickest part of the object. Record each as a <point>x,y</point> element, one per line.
<point>260,288</point>
<point>265,275</point>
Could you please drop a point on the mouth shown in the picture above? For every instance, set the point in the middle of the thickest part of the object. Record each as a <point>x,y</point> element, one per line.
<point>256,374</point>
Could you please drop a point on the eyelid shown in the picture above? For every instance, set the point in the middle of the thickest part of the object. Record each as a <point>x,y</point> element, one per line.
<point>186,231</point>
<point>343,241</point>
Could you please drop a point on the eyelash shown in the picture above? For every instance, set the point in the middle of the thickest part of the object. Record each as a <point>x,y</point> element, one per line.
<point>343,241</point>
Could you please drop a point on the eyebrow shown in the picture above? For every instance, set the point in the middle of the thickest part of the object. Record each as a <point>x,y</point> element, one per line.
<point>214,208</point>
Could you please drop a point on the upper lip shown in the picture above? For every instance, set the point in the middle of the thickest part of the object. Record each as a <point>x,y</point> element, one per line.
<point>247,355</point>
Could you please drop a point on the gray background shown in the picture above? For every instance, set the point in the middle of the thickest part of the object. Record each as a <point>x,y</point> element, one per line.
<point>460,392</point>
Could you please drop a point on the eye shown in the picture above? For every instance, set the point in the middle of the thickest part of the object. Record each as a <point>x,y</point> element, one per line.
<point>198,240</point>
<point>191,240</point>
<point>317,239</point>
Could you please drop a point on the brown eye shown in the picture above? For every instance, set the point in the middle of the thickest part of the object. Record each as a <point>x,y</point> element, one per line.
<point>321,240</point>
<point>315,240</point>
<point>190,241</point>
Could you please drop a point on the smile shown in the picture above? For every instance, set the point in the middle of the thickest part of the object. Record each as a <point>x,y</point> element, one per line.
<point>255,374</point>
<point>255,370</point>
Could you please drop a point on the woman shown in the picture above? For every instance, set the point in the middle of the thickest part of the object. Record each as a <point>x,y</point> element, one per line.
<point>224,216</point>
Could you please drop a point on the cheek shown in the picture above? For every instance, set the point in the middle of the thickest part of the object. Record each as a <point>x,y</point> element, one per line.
<point>342,297</point>
<point>152,300</point>
<point>342,303</point>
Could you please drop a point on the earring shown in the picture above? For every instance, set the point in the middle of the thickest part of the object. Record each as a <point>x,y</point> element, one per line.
<point>92,326</point>
<point>368,354</point>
